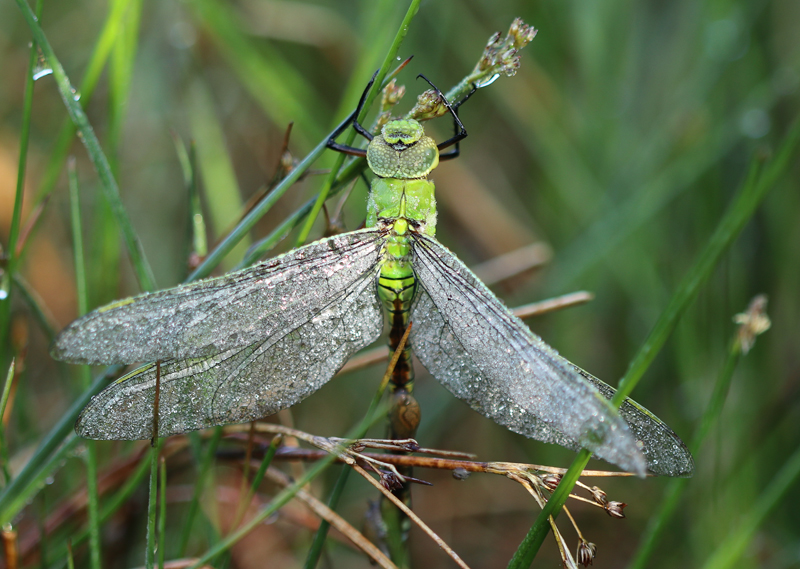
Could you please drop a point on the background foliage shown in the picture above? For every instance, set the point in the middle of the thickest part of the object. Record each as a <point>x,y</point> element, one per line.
<point>619,142</point>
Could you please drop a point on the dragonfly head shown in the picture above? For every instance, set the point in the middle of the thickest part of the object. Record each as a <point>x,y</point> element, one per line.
<point>402,151</point>
<point>401,134</point>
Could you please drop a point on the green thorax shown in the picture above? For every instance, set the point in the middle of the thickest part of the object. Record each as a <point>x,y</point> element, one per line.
<point>402,157</point>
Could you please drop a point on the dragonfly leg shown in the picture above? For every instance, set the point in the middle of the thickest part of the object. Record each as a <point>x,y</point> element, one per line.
<point>460,131</point>
<point>456,152</point>
<point>353,119</point>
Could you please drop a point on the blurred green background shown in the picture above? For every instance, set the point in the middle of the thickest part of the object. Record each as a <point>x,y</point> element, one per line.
<point>619,143</point>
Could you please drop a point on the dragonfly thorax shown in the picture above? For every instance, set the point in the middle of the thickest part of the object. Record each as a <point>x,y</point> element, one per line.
<point>410,201</point>
<point>402,151</point>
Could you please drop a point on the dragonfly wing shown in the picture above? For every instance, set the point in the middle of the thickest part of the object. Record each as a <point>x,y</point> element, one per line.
<point>232,311</point>
<point>665,452</point>
<point>487,357</point>
<point>240,384</point>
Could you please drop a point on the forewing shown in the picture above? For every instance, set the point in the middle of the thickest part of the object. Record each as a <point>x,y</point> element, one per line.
<point>240,384</point>
<point>665,452</point>
<point>487,357</point>
<point>232,311</point>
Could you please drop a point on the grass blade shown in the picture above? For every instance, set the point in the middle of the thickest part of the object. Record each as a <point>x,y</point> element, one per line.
<point>7,275</point>
<point>3,402</point>
<point>739,212</point>
<point>727,554</point>
<point>85,373</point>
<point>70,97</point>
<point>388,61</point>
<point>199,486</point>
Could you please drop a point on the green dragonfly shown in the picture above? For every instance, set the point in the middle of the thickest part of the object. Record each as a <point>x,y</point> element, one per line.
<point>247,344</point>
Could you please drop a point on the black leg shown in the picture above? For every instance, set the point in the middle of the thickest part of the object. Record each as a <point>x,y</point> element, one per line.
<point>456,152</point>
<point>460,131</point>
<point>333,145</point>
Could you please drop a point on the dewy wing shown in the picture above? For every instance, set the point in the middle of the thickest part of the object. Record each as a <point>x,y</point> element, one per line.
<point>250,343</point>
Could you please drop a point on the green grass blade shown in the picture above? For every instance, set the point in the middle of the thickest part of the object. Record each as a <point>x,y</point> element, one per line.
<point>249,220</point>
<point>100,53</point>
<point>287,494</point>
<point>85,373</point>
<point>113,504</point>
<point>388,61</point>
<point>267,243</point>
<point>197,235</point>
<point>7,275</point>
<point>273,82</point>
<point>106,248</point>
<point>199,485</point>
<point>739,212</point>
<point>729,552</point>
<point>19,495</point>
<point>77,248</point>
<point>222,193</point>
<point>14,497</point>
<point>3,403</point>
<point>315,551</point>
<point>37,307</point>
<point>676,487</point>
<point>92,144</point>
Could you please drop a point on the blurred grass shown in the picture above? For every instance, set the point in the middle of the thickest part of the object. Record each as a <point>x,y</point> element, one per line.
<point>620,142</point>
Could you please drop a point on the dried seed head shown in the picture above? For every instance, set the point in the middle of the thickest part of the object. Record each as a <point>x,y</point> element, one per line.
<point>586,552</point>
<point>392,95</point>
<point>390,480</point>
<point>429,106</point>
<point>752,322</point>
<point>598,495</point>
<point>614,509</point>
<point>551,481</point>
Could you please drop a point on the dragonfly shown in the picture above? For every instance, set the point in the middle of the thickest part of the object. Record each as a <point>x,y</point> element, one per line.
<point>245,345</point>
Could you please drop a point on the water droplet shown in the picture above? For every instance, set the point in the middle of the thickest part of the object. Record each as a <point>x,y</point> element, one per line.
<point>488,81</point>
<point>76,95</point>
<point>41,69</point>
<point>461,474</point>
<point>3,294</point>
<point>39,72</point>
<point>49,480</point>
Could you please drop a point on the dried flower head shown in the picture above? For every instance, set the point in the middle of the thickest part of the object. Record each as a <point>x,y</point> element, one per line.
<point>614,509</point>
<point>392,94</point>
<point>390,480</point>
<point>586,552</point>
<point>551,481</point>
<point>598,495</point>
<point>752,322</point>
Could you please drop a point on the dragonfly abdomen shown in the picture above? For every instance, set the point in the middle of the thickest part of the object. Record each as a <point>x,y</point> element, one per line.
<point>397,286</point>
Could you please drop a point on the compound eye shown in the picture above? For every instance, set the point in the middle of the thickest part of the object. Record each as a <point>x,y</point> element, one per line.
<point>406,132</point>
